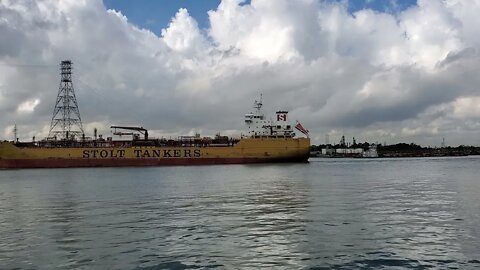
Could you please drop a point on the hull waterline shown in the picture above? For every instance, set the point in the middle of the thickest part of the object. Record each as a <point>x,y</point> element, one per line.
<point>247,151</point>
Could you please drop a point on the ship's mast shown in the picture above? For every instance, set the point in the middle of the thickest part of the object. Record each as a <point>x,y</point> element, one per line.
<point>15,133</point>
<point>66,122</point>
<point>257,105</point>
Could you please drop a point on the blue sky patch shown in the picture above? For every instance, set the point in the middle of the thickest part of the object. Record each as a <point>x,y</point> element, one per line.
<point>155,15</point>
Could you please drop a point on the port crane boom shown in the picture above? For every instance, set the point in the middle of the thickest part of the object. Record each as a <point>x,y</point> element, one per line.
<point>141,130</point>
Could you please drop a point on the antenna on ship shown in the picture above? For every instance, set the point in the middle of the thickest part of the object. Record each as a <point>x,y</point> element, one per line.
<point>258,104</point>
<point>66,122</point>
<point>15,139</point>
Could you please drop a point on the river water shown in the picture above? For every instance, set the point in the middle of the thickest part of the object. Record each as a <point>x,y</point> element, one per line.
<point>327,214</point>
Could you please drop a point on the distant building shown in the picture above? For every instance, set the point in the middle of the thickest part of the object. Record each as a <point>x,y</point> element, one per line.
<point>342,151</point>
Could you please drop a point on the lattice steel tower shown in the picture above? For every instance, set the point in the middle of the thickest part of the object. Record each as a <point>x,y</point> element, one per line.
<point>66,122</point>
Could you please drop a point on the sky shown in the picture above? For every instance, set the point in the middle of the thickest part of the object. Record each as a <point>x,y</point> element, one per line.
<point>156,15</point>
<point>379,71</point>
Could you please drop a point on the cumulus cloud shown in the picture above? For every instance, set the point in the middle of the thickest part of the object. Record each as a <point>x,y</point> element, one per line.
<point>28,106</point>
<point>183,35</point>
<point>467,108</point>
<point>401,76</point>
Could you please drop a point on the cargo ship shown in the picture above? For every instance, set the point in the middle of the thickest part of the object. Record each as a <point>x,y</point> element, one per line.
<point>266,141</point>
<point>67,146</point>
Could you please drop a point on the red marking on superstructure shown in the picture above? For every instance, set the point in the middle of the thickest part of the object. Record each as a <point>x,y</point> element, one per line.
<point>281,117</point>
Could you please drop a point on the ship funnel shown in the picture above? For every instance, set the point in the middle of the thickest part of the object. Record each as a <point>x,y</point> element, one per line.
<point>282,116</point>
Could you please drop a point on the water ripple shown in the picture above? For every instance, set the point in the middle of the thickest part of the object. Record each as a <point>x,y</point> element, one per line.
<point>329,214</point>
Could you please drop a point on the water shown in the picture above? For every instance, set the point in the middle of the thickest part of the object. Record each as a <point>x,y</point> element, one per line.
<point>328,214</point>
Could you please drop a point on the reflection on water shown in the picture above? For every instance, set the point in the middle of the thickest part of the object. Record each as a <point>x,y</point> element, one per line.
<point>337,214</point>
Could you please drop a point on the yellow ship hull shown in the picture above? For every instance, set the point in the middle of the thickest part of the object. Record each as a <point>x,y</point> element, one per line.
<point>248,150</point>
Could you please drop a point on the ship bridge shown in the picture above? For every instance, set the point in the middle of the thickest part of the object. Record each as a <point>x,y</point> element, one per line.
<point>258,125</point>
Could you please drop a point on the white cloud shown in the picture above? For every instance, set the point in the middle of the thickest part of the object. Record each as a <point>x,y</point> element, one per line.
<point>266,30</point>
<point>28,106</point>
<point>467,107</point>
<point>432,31</point>
<point>183,34</point>
<point>371,75</point>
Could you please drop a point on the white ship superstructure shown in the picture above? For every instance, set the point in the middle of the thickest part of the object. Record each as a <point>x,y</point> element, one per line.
<point>258,126</point>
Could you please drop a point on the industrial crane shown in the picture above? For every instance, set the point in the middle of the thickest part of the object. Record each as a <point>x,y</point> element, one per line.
<point>141,130</point>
